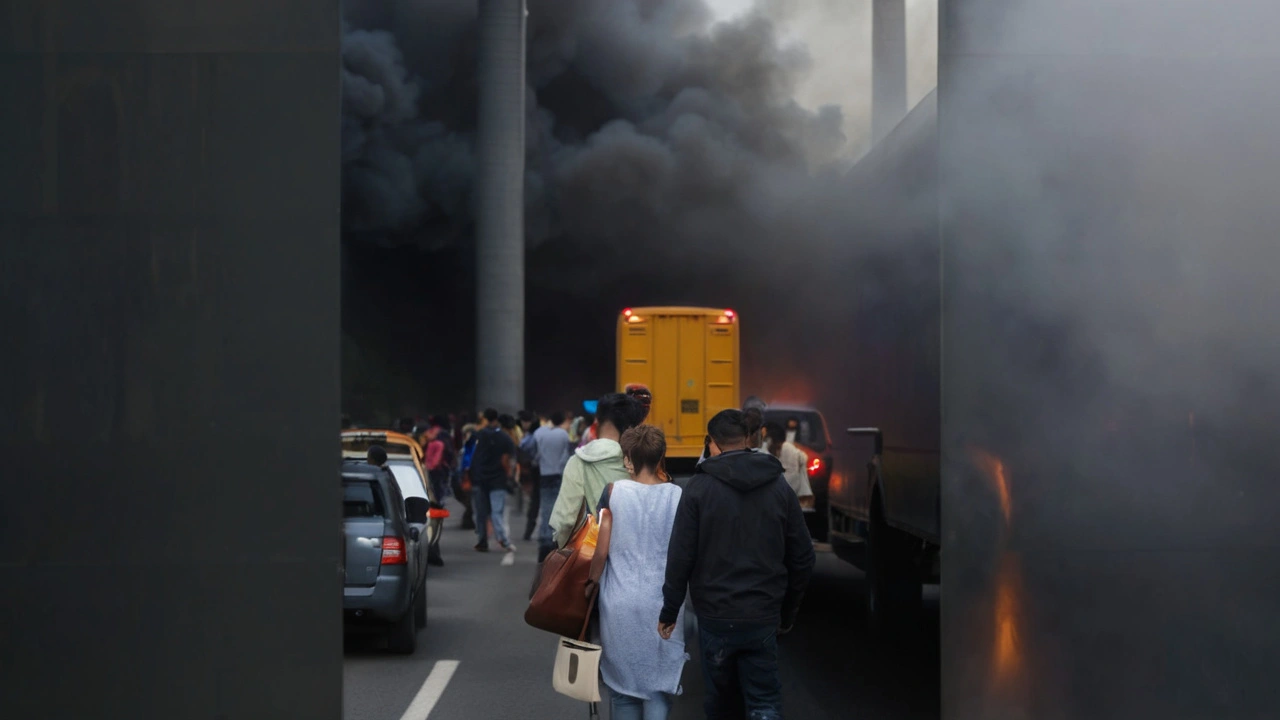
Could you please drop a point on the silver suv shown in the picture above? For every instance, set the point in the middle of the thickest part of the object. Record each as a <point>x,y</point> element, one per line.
<point>385,567</point>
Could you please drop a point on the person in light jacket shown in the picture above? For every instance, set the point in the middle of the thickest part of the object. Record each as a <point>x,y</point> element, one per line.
<point>595,464</point>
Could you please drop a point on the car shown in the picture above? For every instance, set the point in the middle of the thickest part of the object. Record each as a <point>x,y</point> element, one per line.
<point>812,437</point>
<point>404,457</point>
<point>385,558</point>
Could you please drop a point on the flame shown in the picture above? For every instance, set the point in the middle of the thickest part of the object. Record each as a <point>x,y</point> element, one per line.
<point>993,467</point>
<point>1008,647</point>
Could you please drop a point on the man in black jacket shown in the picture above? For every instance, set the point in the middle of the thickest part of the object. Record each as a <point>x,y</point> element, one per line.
<point>740,546</point>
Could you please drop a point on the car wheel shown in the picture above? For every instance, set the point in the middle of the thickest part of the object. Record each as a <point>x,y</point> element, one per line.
<point>420,607</point>
<point>402,638</point>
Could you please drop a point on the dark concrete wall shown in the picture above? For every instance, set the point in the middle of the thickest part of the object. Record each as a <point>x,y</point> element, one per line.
<point>169,196</point>
<point>1110,394</point>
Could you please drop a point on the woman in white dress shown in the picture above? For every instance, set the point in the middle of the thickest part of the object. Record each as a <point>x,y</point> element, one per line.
<point>641,670</point>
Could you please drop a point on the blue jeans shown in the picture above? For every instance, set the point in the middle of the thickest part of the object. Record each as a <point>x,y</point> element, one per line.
<point>625,707</point>
<point>740,664</point>
<point>547,494</point>
<point>489,505</point>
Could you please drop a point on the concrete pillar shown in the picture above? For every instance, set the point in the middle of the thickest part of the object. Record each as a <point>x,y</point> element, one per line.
<point>500,207</point>
<point>888,66</point>
<point>169,534</point>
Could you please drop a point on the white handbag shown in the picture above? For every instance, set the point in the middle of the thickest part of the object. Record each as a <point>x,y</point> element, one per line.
<point>577,670</point>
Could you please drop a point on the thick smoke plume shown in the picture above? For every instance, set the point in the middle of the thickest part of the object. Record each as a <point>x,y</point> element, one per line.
<point>647,127</point>
<point>668,163</point>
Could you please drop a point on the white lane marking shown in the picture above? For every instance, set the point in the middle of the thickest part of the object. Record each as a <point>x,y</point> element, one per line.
<point>432,688</point>
<point>508,559</point>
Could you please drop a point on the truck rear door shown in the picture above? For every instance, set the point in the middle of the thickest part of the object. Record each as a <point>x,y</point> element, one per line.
<point>364,519</point>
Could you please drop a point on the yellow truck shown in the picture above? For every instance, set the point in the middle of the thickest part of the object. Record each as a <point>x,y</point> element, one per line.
<point>688,358</point>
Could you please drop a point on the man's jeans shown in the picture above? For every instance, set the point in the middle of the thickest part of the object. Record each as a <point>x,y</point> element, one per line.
<point>490,505</point>
<point>625,707</point>
<point>740,664</point>
<point>548,491</point>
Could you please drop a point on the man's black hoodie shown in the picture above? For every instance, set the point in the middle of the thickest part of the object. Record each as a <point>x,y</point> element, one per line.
<point>739,543</point>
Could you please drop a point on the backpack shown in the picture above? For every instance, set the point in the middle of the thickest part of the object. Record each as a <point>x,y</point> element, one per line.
<point>449,458</point>
<point>469,450</point>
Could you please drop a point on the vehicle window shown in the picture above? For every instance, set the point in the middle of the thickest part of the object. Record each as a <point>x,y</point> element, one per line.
<point>362,499</point>
<point>408,479</point>
<point>812,432</point>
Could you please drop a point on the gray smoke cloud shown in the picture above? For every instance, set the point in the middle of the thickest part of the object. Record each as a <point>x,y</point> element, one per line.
<point>647,127</point>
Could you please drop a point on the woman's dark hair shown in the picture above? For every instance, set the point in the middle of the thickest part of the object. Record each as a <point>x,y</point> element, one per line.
<point>645,446</point>
<point>622,411</point>
<point>754,419</point>
<point>507,422</point>
<point>775,432</point>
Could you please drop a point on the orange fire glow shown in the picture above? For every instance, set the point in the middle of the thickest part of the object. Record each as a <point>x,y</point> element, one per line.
<point>993,467</point>
<point>1008,651</point>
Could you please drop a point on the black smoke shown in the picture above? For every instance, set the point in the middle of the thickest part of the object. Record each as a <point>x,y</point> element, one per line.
<point>667,163</point>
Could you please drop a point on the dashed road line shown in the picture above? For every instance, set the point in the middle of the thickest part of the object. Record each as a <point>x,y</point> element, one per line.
<point>432,688</point>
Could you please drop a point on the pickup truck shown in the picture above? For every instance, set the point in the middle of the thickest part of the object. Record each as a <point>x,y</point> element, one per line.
<point>884,518</point>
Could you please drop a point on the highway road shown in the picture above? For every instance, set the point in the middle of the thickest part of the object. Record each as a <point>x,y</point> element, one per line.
<point>477,660</point>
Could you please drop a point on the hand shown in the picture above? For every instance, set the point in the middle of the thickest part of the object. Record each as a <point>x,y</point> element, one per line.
<point>785,630</point>
<point>592,589</point>
<point>665,630</point>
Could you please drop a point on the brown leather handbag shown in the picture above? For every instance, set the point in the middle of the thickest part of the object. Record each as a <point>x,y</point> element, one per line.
<point>560,604</point>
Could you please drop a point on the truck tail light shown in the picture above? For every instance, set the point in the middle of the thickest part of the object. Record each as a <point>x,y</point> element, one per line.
<point>393,551</point>
<point>815,467</point>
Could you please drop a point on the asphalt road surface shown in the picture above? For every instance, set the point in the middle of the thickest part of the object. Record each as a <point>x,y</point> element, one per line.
<point>477,660</point>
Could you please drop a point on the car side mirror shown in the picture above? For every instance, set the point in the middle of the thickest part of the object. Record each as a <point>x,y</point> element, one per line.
<point>415,510</point>
<point>414,534</point>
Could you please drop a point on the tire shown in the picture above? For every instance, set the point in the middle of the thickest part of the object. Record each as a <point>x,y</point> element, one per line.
<point>893,584</point>
<point>402,637</point>
<point>420,606</point>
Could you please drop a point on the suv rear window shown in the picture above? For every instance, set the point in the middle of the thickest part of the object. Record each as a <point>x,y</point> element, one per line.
<point>812,432</point>
<point>362,499</point>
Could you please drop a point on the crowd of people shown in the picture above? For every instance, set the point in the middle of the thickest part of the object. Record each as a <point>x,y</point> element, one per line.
<point>729,544</point>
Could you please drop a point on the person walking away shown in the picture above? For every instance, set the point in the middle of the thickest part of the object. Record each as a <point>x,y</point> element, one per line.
<point>594,465</point>
<point>552,449</point>
<point>464,488</point>
<point>491,467</point>
<point>795,464</point>
<point>636,517</point>
<point>740,545</point>
<point>439,461</point>
<point>438,456</point>
<point>529,474</point>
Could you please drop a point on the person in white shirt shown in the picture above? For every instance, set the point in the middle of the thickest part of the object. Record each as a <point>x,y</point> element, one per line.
<point>795,464</point>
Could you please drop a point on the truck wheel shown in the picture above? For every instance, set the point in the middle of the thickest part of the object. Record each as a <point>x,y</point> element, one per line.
<point>403,635</point>
<point>893,585</point>
<point>420,606</point>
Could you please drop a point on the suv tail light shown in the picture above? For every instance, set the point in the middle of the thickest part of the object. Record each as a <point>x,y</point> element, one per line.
<point>437,513</point>
<point>815,467</point>
<point>393,551</point>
